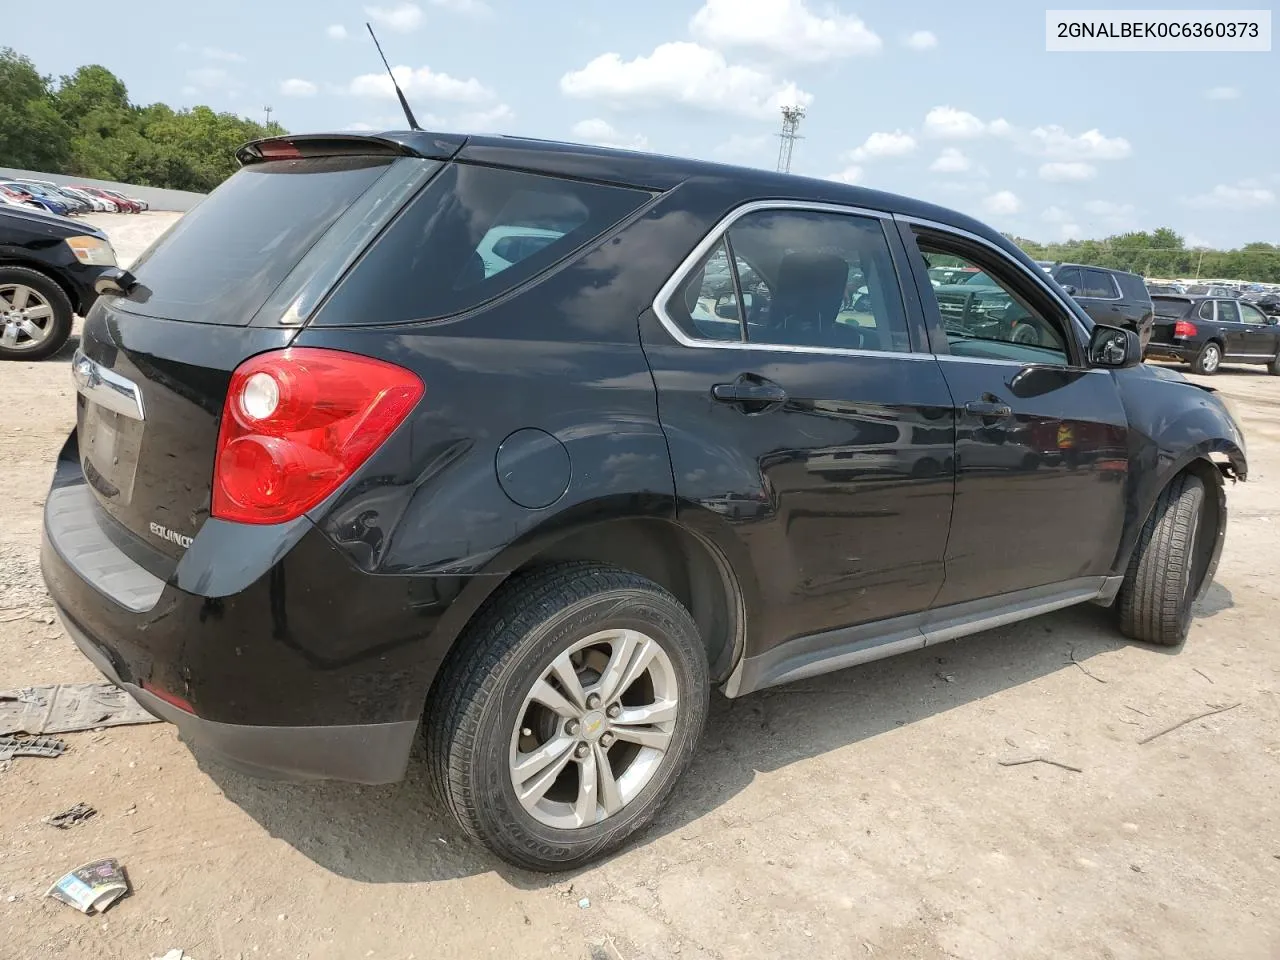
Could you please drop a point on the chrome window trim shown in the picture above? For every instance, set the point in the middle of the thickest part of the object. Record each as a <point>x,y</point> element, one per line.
<point>1003,254</point>
<point>106,388</point>
<point>714,236</point>
<point>1242,306</point>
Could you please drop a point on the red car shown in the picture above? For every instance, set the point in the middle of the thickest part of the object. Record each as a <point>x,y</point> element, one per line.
<point>124,204</point>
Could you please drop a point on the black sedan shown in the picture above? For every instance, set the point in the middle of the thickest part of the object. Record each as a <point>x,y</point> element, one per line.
<point>1207,332</point>
<point>48,266</point>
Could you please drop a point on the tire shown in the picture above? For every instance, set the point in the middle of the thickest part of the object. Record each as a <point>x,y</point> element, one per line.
<point>1158,589</point>
<point>1273,367</point>
<point>483,717</point>
<point>35,291</point>
<point>1209,360</point>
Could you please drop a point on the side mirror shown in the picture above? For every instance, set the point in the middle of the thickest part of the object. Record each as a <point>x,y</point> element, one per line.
<point>1070,289</point>
<point>1114,347</point>
<point>727,305</point>
<point>1272,321</point>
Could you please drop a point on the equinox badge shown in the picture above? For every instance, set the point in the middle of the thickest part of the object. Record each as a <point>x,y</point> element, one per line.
<point>164,533</point>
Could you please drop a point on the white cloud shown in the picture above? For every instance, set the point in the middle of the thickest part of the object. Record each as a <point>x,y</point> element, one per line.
<point>850,174</point>
<point>1055,143</point>
<point>1222,93</point>
<point>189,91</point>
<point>402,18</point>
<point>948,123</point>
<point>951,160</point>
<point>224,56</point>
<point>1070,231</point>
<point>336,31</point>
<point>896,144</point>
<point>1067,172</point>
<point>1002,203</point>
<point>485,121</point>
<point>421,81</point>
<point>293,87</point>
<point>787,28</point>
<point>687,74</point>
<point>1238,197</point>
<point>360,127</point>
<point>742,147</point>
<point>603,134</point>
<point>211,78</point>
<point>922,40</point>
<point>1055,214</point>
<point>470,8</point>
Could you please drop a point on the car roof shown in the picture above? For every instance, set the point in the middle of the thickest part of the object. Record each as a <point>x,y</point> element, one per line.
<point>637,169</point>
<point>1094,266</point>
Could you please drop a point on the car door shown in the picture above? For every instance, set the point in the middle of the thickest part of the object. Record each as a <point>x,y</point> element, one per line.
<point>1259,336</point>
<point>1105,304</point>
<point>1041,439</point>
<point>807,439</point>
<point>1233,331</point>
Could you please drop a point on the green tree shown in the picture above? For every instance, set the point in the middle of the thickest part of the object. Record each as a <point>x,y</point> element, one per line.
<point>33,135</point>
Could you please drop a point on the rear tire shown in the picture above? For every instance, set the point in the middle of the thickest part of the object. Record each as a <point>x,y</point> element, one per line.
<point>1158,589</point>
<point>551,787</point>
<point>46,309</point>
<point>1209,360</point>
<point>1273,367</point>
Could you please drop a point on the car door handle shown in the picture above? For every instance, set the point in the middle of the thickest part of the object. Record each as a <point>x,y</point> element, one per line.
<point>749,390</point>
<point>988,409</point>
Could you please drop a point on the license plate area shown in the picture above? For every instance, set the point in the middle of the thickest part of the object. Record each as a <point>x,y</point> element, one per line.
<point>109,445</point>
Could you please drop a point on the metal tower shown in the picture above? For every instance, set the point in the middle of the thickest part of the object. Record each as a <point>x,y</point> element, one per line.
<point>791,117</point>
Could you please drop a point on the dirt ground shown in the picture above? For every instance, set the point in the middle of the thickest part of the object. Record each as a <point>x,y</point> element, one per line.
<point>862,814</point>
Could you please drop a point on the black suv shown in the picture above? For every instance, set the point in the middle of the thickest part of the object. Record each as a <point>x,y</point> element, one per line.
<point>48,268</point>
<point>1109,296</point>
<point>1207,332</point>
<point>336,474</point>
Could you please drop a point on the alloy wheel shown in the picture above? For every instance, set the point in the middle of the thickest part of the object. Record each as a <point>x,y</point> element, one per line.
<point>594,729</point>
<point>26,317</point>
<point>1211,358</point>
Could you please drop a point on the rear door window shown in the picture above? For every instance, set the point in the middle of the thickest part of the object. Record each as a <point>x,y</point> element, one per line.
<point>1228,312</point>
<point>1099,285</point>
<point>221,261</point>
<point>474,233</point>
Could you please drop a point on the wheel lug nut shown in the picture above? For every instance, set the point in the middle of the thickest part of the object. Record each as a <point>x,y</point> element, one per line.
<point>581,750</point>
<point>593,701</point>
<point>571,728</point>
<point>613,711</point>
<point>606,740</point>
<point>526,732</point>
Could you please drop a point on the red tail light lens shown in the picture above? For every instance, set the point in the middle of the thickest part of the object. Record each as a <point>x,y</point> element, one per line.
<point>297,423</point>
<point>1184,328</point>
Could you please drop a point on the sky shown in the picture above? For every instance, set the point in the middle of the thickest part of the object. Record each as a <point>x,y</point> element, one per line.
<point>959,104</point>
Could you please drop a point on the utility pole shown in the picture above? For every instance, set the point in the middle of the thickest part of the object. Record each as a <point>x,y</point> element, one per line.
<point>791,117</point>
<point>267,110</point>
<point>1200,263</point>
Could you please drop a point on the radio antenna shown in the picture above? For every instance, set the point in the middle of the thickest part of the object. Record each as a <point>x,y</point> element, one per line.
<point>404,104</point>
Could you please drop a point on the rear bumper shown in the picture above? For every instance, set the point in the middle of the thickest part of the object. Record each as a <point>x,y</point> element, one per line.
<point>363,753</point>
<point>1171,351</point>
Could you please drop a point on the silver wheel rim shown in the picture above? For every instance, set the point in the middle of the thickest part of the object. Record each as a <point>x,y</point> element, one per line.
<point>1027,334</point>
<point>1211,357</point>
<point>26,317</point>
<point>594,729</point>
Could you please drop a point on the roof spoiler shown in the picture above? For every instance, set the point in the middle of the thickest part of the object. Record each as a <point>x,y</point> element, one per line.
<point>430,146</point>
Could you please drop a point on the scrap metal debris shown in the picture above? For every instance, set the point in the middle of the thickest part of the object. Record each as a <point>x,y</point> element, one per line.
<point>68,707</point>
<point>11,747</point>
<point>95,886</point>
<point>71,816</point>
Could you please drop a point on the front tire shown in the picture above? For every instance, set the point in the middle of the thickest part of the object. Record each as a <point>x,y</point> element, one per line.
<point>572,706</point>
<point>35,315</point>
<point>1208,360</point>
<point>1159,585</point>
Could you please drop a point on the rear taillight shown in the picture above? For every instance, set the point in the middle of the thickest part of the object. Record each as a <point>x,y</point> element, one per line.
<point>297,423</point>
<point>1184,328</point>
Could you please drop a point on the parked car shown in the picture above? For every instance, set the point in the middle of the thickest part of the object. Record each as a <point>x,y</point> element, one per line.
<point>51,198</point>
<point>1207,332</point>
<point>74,203</point>
<point>333,477</point>
<point>111,205</point>
<point>35,198</point>
<point>48,267</point>
<point>98,204</point>
<point>1109,296</point>
<point>126,204</point>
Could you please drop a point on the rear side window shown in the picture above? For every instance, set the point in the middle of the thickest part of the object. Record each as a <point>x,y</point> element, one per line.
<point>1098,283</point>
<point>223,259</point>
<point>474,233</point>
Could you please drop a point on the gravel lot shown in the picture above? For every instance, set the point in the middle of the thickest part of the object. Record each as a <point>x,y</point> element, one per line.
<point>863,814</point>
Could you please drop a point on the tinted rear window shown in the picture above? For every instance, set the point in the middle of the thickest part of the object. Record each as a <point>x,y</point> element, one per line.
<point>1170,306</point>
<point>221,261</point>
<point>473,234</point>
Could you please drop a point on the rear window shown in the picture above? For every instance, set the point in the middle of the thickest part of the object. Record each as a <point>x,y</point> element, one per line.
<point>474,233</point>
<point>221,261</point>
<point>1170,306</point>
